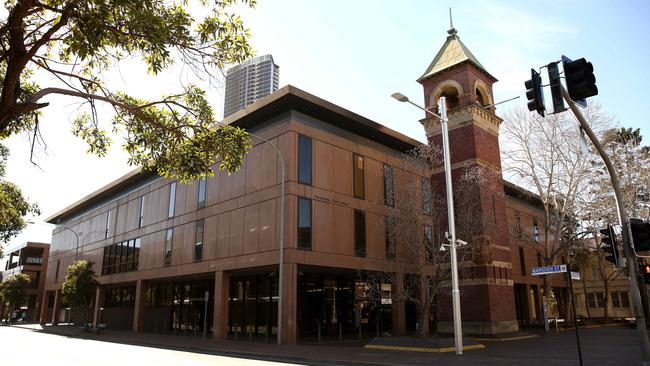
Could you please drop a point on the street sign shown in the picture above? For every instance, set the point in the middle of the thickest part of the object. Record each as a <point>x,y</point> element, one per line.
<point>538,271</point>
<point>575,276</point>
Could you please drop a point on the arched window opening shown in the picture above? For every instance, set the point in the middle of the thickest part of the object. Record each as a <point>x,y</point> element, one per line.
<point>451,94</point>
<point>479,97</point>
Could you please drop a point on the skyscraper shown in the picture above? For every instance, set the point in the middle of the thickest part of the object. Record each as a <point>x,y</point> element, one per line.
<point>250,81</point>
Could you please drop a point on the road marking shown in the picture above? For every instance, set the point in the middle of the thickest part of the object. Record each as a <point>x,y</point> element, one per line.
<point>423,349</point>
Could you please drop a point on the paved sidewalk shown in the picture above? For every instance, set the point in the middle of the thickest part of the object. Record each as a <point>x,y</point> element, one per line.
<point>602,346</point>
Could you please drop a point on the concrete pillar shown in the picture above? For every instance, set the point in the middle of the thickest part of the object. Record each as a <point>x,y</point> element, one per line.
<point>98,294</point>
<point>42,317</point>
<point>399,312</point>
<point>289,304</point>
<point>221,292</point>
<point>138,309</point>
<point>57,307</point>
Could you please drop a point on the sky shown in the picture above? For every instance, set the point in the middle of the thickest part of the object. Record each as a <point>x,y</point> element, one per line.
<point>356,54</point>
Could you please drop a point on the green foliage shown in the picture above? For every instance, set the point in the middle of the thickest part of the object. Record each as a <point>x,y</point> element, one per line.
<point>80,284</point>
<point>14,290</point>
<point>76,42</point>
<point>13,206</point>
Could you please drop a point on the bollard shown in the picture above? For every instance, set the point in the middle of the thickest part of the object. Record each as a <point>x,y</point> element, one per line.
<point>319,340</point>
<point>340,333</point>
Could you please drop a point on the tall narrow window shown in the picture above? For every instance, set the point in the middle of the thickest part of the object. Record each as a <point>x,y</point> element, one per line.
<point>535,229</point>
<point>58,266</point>
<point>426,196</point>
<point>389,230</point>
<point>168,246</point>
<point>141,219</point>
<point>172,200</point>
<point>304,223</point>
<point>202,184</point>
<point>359,233</point>
<point>522,261</point>
<point>358,176</point>
<point>389,193</point>
<point>518,222</point>
<point>108,224</point>
<point>198,241</point>
<point>428,243</point>
<point>304,159</point>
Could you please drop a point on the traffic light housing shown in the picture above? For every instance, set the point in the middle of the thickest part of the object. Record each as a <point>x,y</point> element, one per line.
<point>640,235</point>
<point>534,93</point>
<point>580,79</point>
<point>609,245</point>
<point>556,87</point>
<point>645,272</point>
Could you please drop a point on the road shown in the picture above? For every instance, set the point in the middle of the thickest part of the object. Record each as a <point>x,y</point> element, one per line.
<point>26,347</point>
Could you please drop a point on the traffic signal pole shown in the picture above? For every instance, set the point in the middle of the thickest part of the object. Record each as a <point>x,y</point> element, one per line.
<point>627,246</point>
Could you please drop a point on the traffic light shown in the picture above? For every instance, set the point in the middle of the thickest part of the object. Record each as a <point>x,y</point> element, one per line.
<point>610,245</point>
<point>640,235</point>
<point>645,272</point>
<point>580,79</point>
<point>556,87</point>
<point>534,93</point>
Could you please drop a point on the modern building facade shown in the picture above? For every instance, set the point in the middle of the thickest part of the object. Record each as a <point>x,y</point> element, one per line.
<point>249,82</point>
<point>29,258</point>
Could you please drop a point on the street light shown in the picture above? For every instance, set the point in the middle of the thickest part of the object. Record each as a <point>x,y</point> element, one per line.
<point>76,251</point>
<point>455,293</point>
<point>281,261</point>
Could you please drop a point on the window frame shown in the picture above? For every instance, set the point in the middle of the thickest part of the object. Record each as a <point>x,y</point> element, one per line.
<point>389,186</point>
<point>141,218</point>
<point>360,235</point>
<point>202,193</point>
<point>167,250</point>
<point>426,196</point>
<point>301,231</point>
<point>358,174</point>
<point>171,208</point>
<point>199,233</point>
<point>305,160</point>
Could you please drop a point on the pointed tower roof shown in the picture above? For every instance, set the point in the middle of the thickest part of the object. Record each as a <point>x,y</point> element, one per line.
<point>452,53</point>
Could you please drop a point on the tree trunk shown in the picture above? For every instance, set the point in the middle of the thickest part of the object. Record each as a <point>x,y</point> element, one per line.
<point>584,289</point>
<point>423,316</point>
<point>606,315</point>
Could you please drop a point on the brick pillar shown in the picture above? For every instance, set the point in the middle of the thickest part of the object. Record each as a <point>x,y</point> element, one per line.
<point>57,307</point>
<point>96,307</point>
<point>221,292</point>
<point>138,309</point>
<point>289,304</point>
<point>399,312</point>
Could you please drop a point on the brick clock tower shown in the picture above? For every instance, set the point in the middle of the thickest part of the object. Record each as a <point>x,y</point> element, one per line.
<point>486,286</point>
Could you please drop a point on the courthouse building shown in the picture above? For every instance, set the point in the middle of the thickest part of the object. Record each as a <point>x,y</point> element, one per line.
<point>159,245</point>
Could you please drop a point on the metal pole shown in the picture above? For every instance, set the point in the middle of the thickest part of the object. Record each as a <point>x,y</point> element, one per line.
<point>573,308</point>
<point>625,232</point>
<point>281,261</point>
<point>455,293</point>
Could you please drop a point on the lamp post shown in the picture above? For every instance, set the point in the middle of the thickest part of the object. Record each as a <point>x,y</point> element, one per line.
<point>455,293</point>
<point>281,260</point>
<point>76,251</point>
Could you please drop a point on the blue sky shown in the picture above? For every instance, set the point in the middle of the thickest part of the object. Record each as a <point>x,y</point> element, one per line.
<point>356,53</point>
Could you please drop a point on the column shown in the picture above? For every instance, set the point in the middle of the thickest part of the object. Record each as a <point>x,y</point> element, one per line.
<point>96,307</point>
<point>289,304</point>
<point>399,312</point>
<point>138,309</point>
<point>221,292</point>
<point>42,318</point>
<point>57,307</point>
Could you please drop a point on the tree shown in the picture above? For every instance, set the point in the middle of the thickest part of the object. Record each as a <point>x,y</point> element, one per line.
<point>13,206</point>
<point>79,286</point>
<point>545,156</point>
<point>70,44</point>
<point>13,291</point>
<point>418,264</point>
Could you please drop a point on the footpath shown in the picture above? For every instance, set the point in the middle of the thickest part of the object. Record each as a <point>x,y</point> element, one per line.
<point>550,349</point>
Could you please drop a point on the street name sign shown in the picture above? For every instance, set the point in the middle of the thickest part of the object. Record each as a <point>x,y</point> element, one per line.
<point>538,271</point>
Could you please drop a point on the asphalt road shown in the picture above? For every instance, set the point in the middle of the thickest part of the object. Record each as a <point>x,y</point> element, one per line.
<point>25,347</point>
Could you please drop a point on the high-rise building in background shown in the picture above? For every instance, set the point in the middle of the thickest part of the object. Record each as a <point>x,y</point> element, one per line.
<point>250,81</point>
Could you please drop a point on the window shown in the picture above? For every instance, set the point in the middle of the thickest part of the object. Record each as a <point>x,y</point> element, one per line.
<point>596,300</point>
<point>620,300</point>
<point>428,243</point>
<point>304,159</point>
<point>522,261</point>
<point>304,223</point>
<point>359,233</point>
<point>389,193</point>
<point>535,229</point>
<point>426,196</point>
<point>172,200</point>
<point>121,257</point>
<point>58,266</point>
<point>358,176</point>
<point>108,224</point>
<point>168,246</point>
<point>389,230</point>
<point>595,273</point>
<point>141,220</point>
<point>518,223</point>
<point>198,241</point>
<point>202,183</point>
